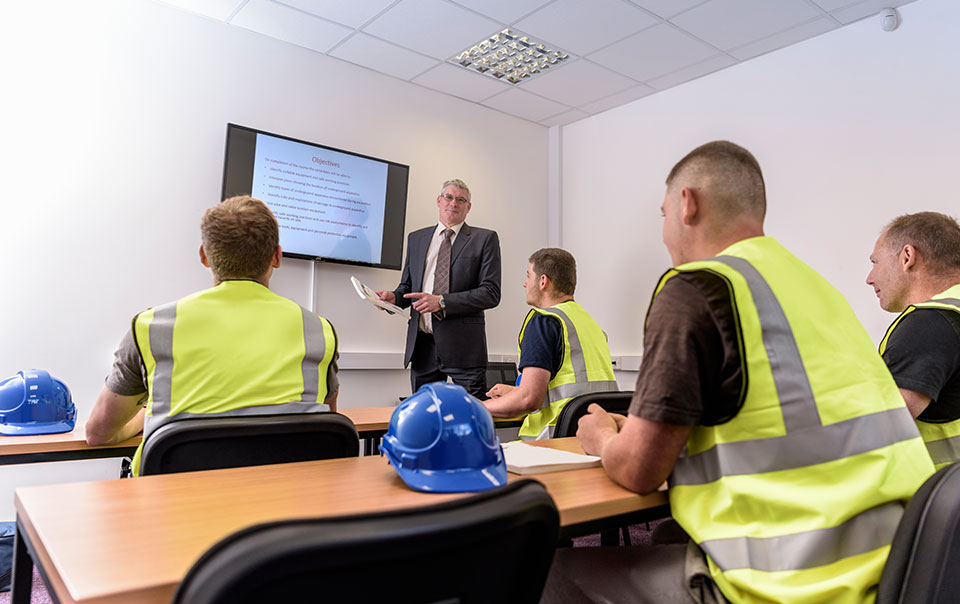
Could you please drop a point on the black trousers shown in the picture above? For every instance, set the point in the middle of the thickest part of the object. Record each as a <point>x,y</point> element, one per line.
<point>427,367</point>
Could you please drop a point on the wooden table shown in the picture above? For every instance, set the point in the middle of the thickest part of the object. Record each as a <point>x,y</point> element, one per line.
<point>371,423</point>
<point>116,541</point>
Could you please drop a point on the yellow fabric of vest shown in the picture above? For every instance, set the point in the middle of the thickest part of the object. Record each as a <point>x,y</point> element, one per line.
<point>943,438</point>
<point>797,497</point>
<point>586,366</point>
<point>234,349</point>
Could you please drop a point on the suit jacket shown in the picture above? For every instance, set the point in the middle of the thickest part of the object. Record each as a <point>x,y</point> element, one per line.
<point>461,336</point>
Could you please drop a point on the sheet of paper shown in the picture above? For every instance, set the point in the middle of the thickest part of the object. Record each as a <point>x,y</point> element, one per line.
<point>528,459</point>
<point>370,295</point>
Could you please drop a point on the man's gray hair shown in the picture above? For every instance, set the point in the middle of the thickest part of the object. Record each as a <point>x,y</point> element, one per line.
<point>457,183</point>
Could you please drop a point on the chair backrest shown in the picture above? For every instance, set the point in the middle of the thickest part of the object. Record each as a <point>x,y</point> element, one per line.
<point>493,547</point>
<point>614,402</point>
<point>924,561</point>
<point>229,442</point>
<point>501,373</point>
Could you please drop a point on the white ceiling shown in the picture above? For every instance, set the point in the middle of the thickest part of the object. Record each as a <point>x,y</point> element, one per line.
<point>621,50</point>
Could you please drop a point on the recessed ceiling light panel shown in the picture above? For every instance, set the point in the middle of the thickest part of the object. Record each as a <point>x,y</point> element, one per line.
<point>510,56</point>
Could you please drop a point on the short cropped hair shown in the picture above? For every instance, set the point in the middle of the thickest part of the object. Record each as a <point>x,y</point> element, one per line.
<point>457,183</point>
<point>559,265</point>
<point>729,174</point>
<point>240,235</point>
<point>935,236</point>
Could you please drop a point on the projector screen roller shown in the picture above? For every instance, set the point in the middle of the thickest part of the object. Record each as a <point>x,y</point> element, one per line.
<point>332,205</point>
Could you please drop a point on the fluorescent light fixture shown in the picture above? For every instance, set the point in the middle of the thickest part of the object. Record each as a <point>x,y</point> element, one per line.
<point>510,56</point>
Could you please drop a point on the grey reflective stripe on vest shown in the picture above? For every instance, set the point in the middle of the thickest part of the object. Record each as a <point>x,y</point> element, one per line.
<point>806,442</point>
<point>314,347</point>
<point>152,422</point>
<point>161,347</point>
<point>582,384</point>
<point>865,532</point>
<point>946,450</point>
<point>947,301</point>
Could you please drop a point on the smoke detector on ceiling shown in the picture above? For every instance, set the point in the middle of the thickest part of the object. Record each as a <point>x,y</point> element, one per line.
<point>889,19</point>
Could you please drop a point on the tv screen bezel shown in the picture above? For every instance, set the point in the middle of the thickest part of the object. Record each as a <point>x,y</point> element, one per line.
<point>231,127</point>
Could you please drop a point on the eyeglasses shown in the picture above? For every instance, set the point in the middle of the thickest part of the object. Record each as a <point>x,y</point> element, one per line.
<point>450,197</point>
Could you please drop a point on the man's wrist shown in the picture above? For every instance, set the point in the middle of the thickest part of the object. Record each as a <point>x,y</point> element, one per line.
<point>442,303</point>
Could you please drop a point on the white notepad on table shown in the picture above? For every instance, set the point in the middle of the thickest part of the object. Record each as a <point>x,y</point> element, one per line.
<point>529,459</point>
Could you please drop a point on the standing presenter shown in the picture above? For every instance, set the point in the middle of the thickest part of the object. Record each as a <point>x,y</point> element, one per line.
<point>450,276</point>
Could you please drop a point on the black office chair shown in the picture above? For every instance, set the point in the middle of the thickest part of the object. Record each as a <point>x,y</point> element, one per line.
<point>923,564</point>
<point>493,547</point>
<point>229,442</point>
<point>501,373</point>
<point>614,402</point>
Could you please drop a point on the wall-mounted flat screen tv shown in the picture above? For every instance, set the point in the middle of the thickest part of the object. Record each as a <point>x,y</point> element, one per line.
<point>332,205</point>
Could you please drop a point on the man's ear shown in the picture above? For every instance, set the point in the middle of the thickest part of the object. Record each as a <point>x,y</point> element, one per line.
<point>907,258</point>
<point>203,257</point>
<point>543,283</point>
<point>277,256</point>
<point>689,206</point>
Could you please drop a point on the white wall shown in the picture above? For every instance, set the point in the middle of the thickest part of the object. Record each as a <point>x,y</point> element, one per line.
<point>851,129</point>
<point>115,114</point>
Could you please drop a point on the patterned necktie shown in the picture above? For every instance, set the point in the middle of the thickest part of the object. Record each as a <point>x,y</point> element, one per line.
<point>441,276</point>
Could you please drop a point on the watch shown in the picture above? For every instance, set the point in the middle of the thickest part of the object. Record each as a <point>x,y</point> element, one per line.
<point>443,304</point>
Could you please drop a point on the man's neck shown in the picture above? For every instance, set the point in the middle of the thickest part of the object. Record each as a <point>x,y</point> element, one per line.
<point>549,300</point>
<point>929,286</point>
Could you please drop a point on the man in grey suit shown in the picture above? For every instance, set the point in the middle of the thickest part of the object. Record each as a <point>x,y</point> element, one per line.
<point>451,275</point>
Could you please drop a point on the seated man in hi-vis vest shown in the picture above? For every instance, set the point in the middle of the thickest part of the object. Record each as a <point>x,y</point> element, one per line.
<point>234,349</point>
<point>789,452</point>
<point>916,272</point>
<point>563,352</point>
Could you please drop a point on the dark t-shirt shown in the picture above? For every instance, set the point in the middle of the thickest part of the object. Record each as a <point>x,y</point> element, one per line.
<point>542,344</point>
<point>923,354</point>
<point>690,373</point>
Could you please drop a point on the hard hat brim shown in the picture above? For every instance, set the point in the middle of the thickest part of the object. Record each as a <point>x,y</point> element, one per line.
<point>452,481</point>
<point>34,428</point>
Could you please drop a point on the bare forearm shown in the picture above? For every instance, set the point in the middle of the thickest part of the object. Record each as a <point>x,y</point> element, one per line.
<point>513,404</point>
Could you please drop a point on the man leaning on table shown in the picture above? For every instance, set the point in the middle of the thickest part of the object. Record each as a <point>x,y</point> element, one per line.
<point>563,352</point>
<point>788,449</point>
<point>916,272</point>
<point>234,349</point>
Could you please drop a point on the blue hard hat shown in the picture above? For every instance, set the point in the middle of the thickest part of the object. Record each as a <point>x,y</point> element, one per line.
<point>33,402</point>
<point>442,440</point>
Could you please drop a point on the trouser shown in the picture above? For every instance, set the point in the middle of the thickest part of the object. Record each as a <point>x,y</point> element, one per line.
<point>659,574</point>
<point>427,367</point>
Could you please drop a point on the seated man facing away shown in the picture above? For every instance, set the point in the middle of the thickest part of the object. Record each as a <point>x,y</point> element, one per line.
<point>234,349</point>
<point>563,352</point>
<point>916,272</point>
<point>789,451</point>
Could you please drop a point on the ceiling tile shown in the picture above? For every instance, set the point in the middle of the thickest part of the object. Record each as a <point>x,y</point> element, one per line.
<point>348,12</point>
<point>566,117</point>
<point>523,104</point>
<point>577,83</point>
<point>620,98</point>
<point>653,52</point>
<point>290,25</point>
<point>692,72</point>
<point>730,23</point>
<point>506,11</point>
<point>434,27</point>
<point>218,9</point>
<point>667,8</point>
<point>833,4</point>
<point>783,39</point>
<point>864,9</point>
<point>383,56</point>
<point>460,82</point>
<point>582,27</point>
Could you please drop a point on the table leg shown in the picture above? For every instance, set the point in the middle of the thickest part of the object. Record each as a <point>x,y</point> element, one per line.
<point>22,569</point>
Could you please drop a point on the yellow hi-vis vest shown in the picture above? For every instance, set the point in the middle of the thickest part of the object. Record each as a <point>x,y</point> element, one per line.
<point>234,349</point>
<point>943,438</point>
<point>797,497</point>
<point>586,366</point>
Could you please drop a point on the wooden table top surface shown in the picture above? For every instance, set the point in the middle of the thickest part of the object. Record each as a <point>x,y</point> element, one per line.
<point>133,540</point>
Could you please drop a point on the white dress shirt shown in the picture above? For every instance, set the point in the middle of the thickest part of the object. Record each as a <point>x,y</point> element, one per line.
<point>426,319</point>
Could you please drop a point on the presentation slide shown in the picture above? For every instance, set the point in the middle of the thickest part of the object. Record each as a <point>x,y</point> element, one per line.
<point>328,204</point>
